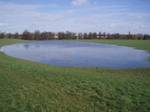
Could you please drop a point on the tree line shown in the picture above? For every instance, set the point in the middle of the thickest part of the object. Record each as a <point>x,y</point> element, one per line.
<point>37,35</point>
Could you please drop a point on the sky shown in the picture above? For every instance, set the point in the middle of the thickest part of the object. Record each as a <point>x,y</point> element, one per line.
<point>111,16</point>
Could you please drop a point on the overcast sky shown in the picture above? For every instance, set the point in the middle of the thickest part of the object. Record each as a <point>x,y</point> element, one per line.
<point>114,16</point>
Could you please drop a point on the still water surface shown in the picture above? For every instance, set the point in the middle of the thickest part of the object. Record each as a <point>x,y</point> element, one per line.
<point>79,54</point>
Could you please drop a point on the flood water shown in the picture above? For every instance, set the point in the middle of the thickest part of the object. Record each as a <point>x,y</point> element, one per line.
<point>79,54</point>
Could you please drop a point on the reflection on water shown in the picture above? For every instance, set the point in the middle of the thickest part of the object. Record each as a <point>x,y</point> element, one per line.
<point>79,54</point>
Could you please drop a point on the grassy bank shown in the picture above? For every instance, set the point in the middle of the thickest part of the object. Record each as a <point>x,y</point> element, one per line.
<point>139,44</point>
<point>30,87</point>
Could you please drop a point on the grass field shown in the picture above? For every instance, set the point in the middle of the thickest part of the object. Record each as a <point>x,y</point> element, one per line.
<point>139,44</point>
<point>30,87</point>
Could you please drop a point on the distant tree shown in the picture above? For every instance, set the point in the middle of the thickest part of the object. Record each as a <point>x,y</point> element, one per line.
<point>85,36</point>
<point>129,36</point>
<point>109,36</point>
<point>146,37</point>
<point>2,35</point>
<point>80,36</point>
<point>16,35</point>
<point>47,36</point>
<point>61,35</point>
<point>139,36</point>
<point>94,35</point>
<point>116,36</point>
<point>99,35</point>
<point>51,35</point>
<point>68,35</point>
<point>90,35</point>
<point>104,35</point>
<point>9,35</point>
<point>27,35</point>
<point>74,36</point>
<point>123,36</point>
<point>44,36</point>
<point>37,35</point>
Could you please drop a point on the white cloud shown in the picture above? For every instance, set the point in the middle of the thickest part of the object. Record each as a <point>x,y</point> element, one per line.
<point>79,2</point>
<point>2,24</point>
<point>18,17</point>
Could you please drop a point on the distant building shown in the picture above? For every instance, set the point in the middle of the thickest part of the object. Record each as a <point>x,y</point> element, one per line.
<point>56,36</point>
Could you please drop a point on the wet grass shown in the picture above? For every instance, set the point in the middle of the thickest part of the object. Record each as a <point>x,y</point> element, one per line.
<point>31,87</point>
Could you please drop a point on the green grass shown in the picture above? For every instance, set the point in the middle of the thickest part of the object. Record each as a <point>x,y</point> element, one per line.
<point>139,44</point>
<point>30,87</point>
<point>10,41</point>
